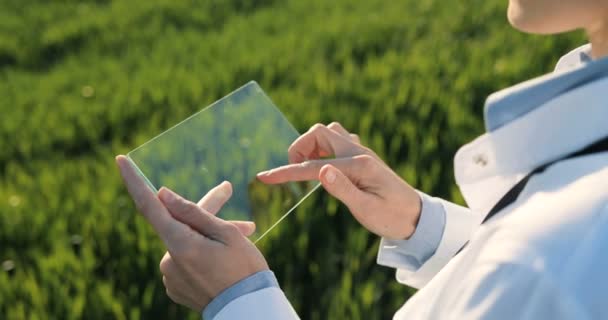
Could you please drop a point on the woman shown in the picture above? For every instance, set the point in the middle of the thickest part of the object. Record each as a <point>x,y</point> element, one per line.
<point>531,244</point>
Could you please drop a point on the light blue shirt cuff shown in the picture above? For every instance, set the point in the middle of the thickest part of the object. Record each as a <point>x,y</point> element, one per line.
<point>412,253</point>
<point>257,281</point>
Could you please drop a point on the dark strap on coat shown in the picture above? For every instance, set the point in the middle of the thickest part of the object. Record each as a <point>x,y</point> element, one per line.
<point>512,195</point>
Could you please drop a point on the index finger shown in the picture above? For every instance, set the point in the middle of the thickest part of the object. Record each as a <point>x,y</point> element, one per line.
<point>149,205</point>
<point>308,170</point>
<point>321,141</point>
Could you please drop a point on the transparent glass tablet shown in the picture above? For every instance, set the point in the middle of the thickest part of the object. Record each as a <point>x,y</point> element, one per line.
<point>233,139</point>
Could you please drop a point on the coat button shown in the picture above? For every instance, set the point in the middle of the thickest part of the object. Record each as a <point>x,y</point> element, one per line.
<point>480,160</point>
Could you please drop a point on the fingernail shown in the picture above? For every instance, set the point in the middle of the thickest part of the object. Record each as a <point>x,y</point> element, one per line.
<point>118,159</point>
<point>263,173</point>
<point>330,176</point>
<point>251,227</point>
<point>166,195</point>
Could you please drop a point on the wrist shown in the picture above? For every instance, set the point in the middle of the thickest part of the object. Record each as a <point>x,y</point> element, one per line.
<point>414,215</point>
<point>409,216</point>
<point>403,217</point>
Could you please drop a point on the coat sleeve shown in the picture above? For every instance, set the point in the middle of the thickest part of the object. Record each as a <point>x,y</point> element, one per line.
<point>458,225</point>
<point>258,296</point>
<point>266,304</point>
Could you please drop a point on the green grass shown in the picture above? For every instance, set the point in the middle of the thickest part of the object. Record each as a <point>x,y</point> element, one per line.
<point>82,81</point>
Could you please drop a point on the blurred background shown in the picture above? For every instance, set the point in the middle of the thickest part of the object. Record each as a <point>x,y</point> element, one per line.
<point>82,81</point>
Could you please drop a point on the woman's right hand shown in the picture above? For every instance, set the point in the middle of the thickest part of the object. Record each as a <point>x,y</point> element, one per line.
<point>377,197</point>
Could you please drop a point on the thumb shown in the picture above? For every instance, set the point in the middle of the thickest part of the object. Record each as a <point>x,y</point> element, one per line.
<point>192,215</point>
<point>341,187</point>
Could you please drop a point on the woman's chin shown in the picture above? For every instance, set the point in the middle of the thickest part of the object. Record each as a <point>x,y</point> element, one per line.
<point>530,17</point>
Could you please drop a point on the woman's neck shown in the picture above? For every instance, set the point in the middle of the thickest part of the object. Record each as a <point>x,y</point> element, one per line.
<point>598,36</point>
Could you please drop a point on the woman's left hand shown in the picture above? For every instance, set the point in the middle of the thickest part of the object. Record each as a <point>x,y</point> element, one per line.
<point>202,248</point>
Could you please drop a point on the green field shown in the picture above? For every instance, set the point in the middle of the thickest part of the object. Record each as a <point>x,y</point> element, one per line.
<point>82,81</point>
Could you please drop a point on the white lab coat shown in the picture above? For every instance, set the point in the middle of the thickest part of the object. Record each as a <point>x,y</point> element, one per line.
<point>543,257</point>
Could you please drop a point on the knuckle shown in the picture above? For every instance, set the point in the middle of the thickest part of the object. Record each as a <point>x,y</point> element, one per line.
<point>317,127</point>
<point>180,203</point>
<point>165,264</point>
<point>294,152</point>
<point>365,161</point>
<point>187,208</point>
<point>231,230</point>
<point>335,124</point>
<point>370,152</point>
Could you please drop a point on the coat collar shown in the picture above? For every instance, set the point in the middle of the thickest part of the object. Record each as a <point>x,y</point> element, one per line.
<point>506,105</point>
<point>489,166</point>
